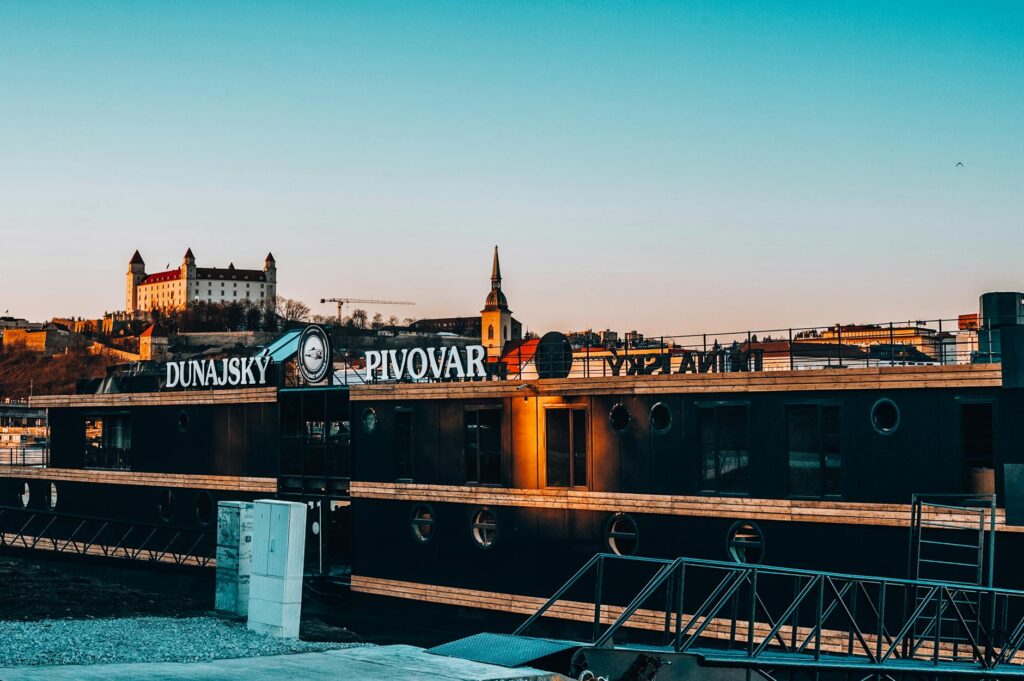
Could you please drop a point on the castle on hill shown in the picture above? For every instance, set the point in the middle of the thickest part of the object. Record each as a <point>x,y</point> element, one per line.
<point>177,288</point>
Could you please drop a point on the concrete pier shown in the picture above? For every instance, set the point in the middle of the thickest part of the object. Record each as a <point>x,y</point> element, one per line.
<point>369,663</point>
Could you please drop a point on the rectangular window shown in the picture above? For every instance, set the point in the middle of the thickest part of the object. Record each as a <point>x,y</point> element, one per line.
<point>403,443</point>
<point>108,442</point>
<point>815,460</point>
<point>977,434</point>
<point>724,451</point>
<point>482,438</point>
<point>566,452</point>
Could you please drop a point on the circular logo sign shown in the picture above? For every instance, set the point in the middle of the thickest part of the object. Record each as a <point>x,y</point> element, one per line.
<point>314,356</point>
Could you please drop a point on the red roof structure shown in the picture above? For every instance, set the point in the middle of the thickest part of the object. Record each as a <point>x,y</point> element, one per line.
<point>169,275</point>
<point>517,354</point>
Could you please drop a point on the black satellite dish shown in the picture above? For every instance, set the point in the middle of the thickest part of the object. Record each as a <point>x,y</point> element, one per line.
<point>554,356</point>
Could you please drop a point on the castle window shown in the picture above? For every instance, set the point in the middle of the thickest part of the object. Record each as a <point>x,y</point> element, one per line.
<point>482,445</point>
<point>490,332</point>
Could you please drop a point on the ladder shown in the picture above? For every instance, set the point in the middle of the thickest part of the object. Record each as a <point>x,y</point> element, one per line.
<point>952,541</point>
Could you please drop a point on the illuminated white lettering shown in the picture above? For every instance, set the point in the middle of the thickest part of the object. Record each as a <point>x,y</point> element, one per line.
<point>475,361</point>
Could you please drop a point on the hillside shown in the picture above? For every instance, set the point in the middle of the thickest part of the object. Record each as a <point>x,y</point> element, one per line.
<point>23,372</point>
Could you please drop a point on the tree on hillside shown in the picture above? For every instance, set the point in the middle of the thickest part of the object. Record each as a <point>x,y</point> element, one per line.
<point>291,310</point>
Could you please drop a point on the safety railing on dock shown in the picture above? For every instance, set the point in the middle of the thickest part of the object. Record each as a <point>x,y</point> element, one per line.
<point>24,528</point>
<point>759,617</point>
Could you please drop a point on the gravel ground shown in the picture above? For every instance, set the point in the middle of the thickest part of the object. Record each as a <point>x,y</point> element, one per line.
<point>139,639</point>
<point>41,591</point>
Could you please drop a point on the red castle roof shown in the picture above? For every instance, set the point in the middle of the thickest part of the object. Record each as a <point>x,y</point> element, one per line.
<point>169,275</point>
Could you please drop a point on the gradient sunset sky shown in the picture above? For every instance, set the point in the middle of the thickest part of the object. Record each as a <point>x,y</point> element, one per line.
<point>671,167</point>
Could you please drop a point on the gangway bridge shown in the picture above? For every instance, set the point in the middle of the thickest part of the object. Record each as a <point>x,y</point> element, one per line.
<point>720,620</point>
<point>81,535</point>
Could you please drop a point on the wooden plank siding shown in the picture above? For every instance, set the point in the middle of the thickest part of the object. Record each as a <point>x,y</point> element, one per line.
<point>889,378</point>
<point>740,508</point>
<point>237,396</point>
<point>106,477</point>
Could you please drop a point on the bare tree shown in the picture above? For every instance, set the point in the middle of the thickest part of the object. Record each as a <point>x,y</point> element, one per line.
<point>358,319</point>
<point>292,310</point>
<point>378,321</point>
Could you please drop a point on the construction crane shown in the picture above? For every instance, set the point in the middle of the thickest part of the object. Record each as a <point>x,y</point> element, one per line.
<point>341,302</point>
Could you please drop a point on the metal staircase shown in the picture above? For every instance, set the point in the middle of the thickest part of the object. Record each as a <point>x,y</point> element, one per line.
<point>779,621</point>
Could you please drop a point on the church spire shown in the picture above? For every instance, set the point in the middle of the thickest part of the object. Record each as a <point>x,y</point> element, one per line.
<point>496,271</point>
<point>496,299</point>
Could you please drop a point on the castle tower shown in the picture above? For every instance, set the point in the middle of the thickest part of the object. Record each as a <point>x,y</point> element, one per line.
<point>270,269</point>
<point>136,275</point>
<point>188,276</point>
<point>495,318</point>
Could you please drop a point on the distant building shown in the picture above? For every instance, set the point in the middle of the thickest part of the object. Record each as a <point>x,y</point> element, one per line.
<point>926,340</point>
<point>153,344</point>
<point>468,327</point>
<point>15,323</point>
<point>495,325</point>
<point>178,287</point>
<point>49,340</point>
<point>111,324</point>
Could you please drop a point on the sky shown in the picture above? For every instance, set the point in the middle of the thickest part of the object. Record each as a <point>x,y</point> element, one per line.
<point>669,167</point>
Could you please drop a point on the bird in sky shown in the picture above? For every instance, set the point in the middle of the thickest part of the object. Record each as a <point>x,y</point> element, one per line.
<point>959,164</point>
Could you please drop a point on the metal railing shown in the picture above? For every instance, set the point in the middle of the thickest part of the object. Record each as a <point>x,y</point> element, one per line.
<point>771,617</point>
<point>25,456</point>
<point>934,342</point>
<point>26,528</point>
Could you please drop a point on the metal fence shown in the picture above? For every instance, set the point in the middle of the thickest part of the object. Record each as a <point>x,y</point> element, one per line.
<point>38,455</point>
<point>28,528</point>
<point>933,342</point>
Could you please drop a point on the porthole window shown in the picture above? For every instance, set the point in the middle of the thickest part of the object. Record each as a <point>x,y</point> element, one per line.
<point>619,417</point>
<point>182,422</point>
<point>24,495</point>
<point>165,505</point>
<point>661,418</point>
<point>885,416</point>
<point>622,535</point>
<point>746,543</point>
<point>485,528</point>
<point>422,523</point>
<point>204,508</point>
<point>53,495</point>
<point>369,420</point>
